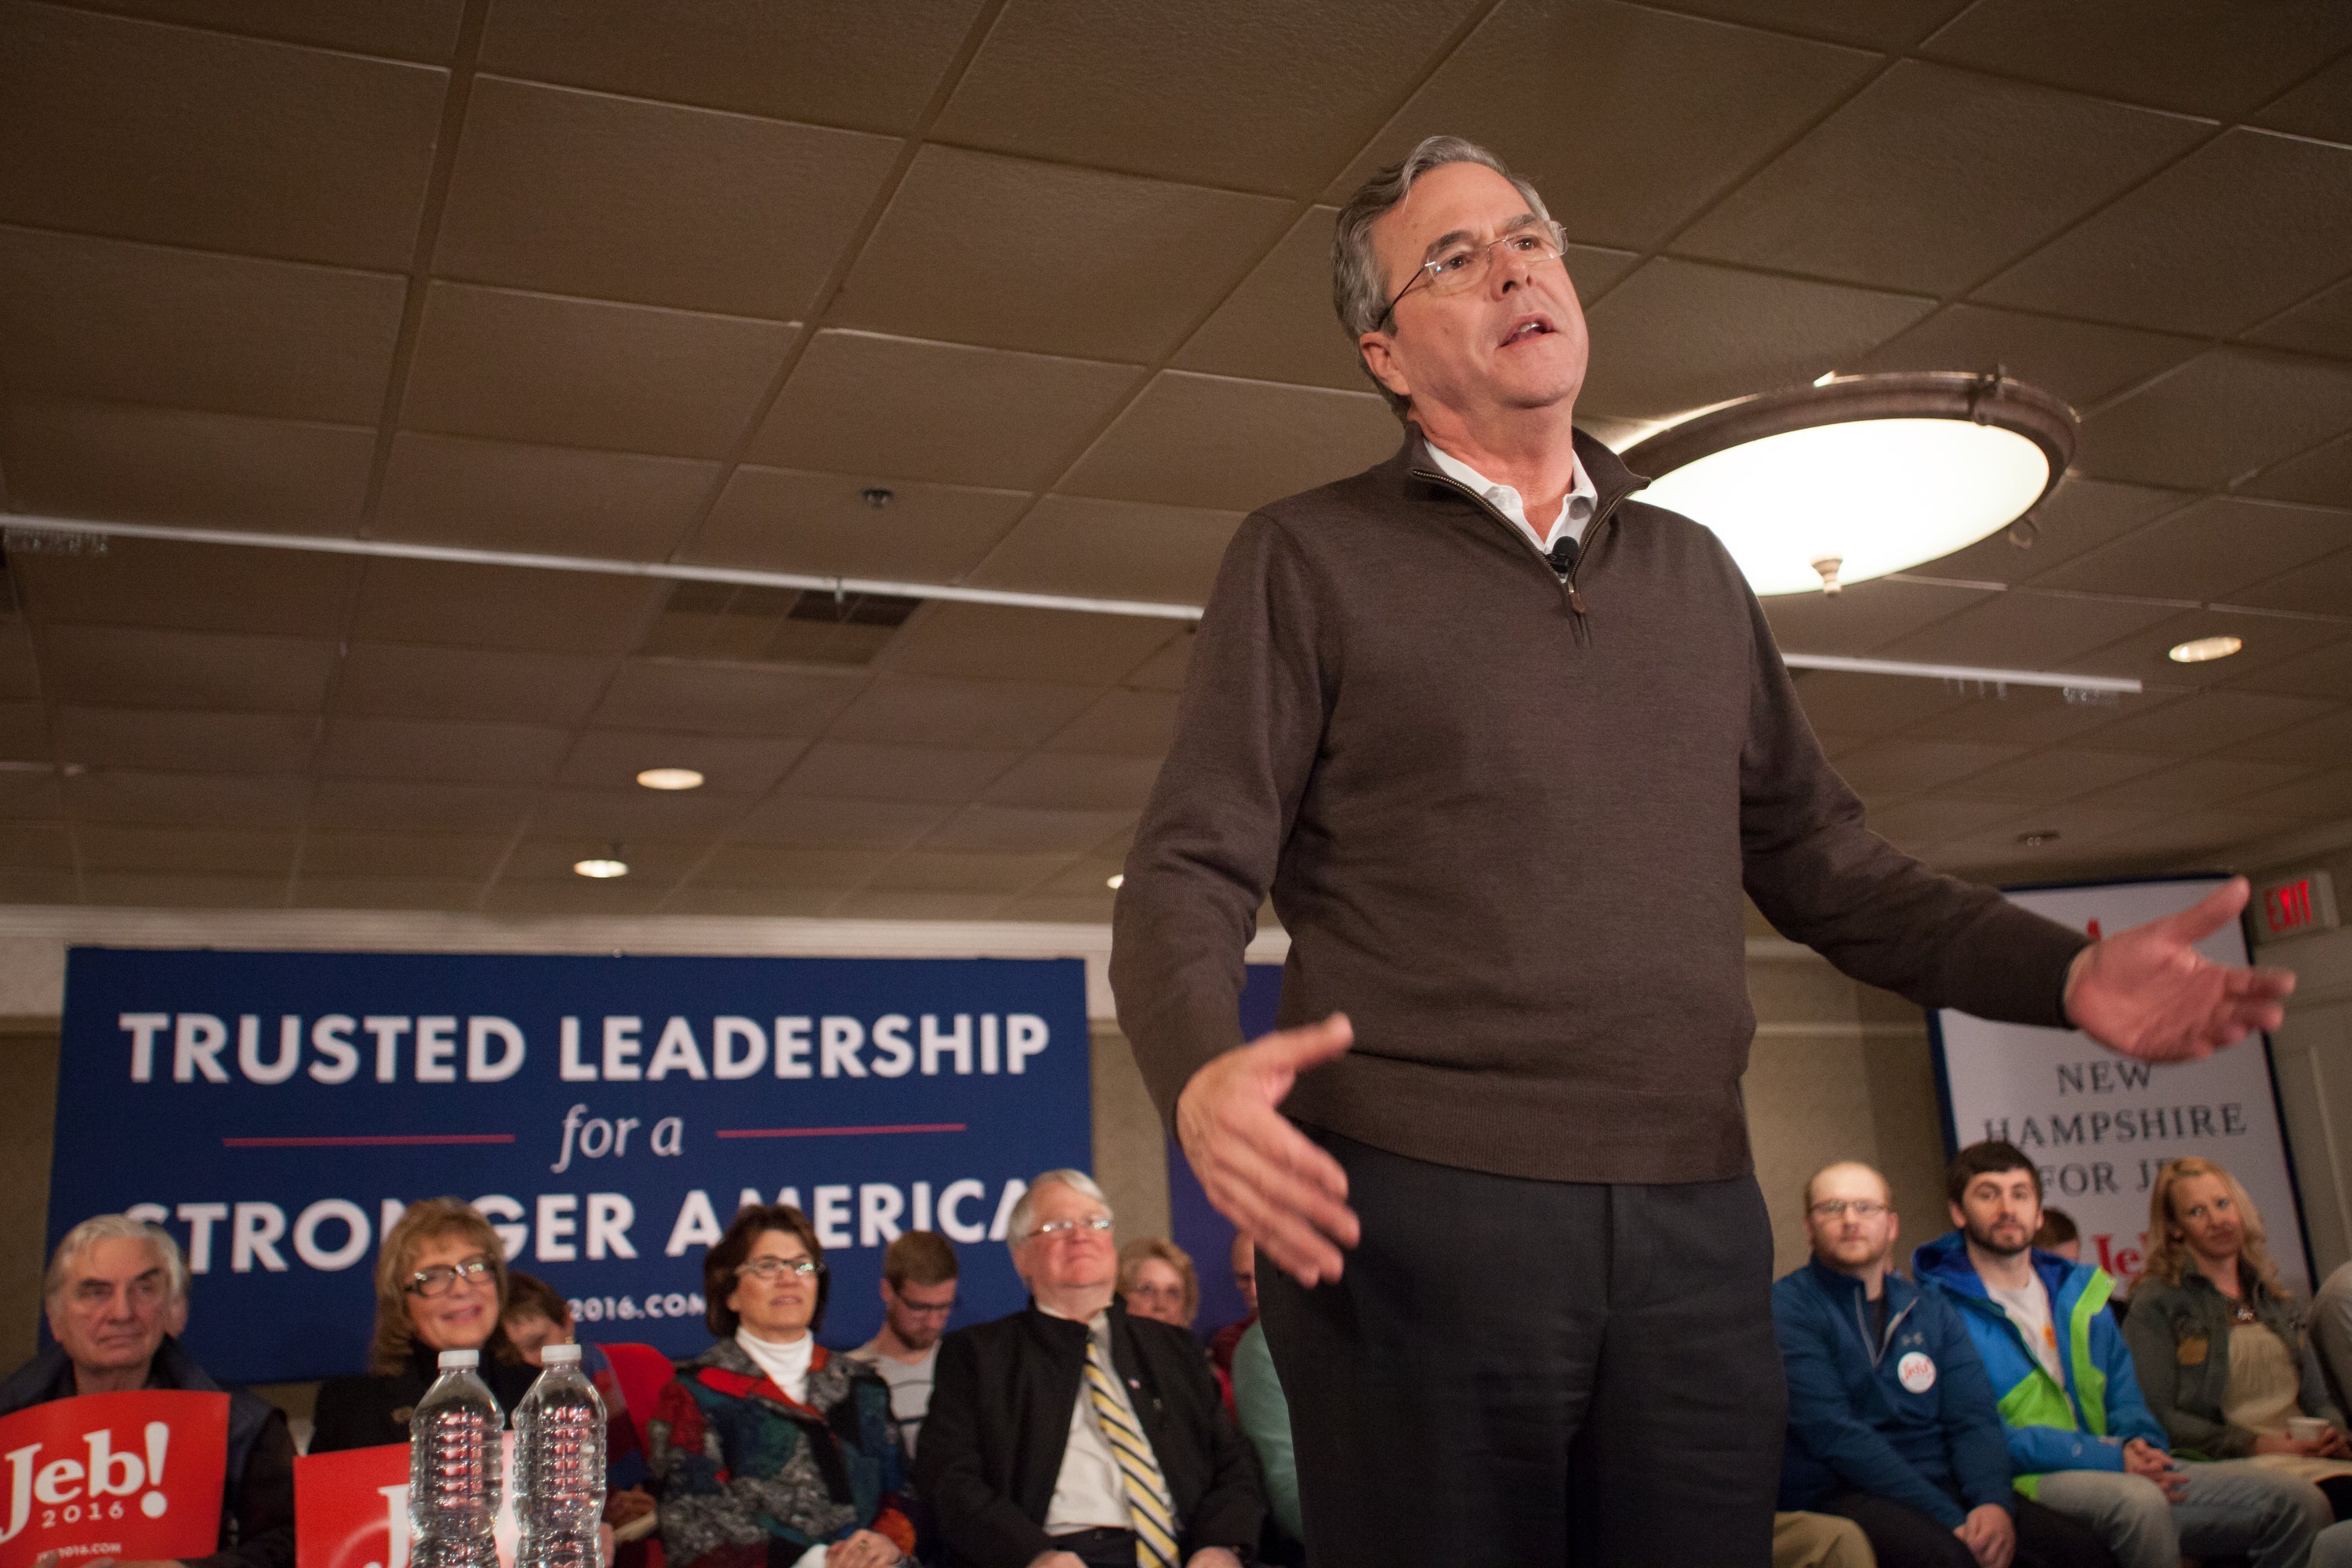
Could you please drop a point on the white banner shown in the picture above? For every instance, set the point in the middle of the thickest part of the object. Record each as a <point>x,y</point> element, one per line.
<point>2101,1125</point>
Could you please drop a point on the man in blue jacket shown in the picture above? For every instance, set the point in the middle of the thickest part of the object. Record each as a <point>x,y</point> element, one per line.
<point>2081,1438</point>
<point>1891,1420</point>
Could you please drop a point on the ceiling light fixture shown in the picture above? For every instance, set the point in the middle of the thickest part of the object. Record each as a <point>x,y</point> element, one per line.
<point>1858,476</point>
<point>1118,880</point>
<point>600,868</point>
<point>2203,651</point>
<point>2037,838</point>
<point>670,778</point>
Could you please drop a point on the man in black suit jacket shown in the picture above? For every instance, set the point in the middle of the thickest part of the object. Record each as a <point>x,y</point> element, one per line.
<point>1071,1434</point>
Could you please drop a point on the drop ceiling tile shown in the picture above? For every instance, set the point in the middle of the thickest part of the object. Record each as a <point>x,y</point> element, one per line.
<point>2322,741</point>
<point>405,681</point>
<point>25,733</point>
<point>329,852</point>
<point>2222,416</point>
<point>130,889</point>
<point>1121,722</point>
<point>30,796</point>
<point>581,192</point>
<point>1837,702</point>
<point>2319,588</point>
<point>771,903</point>
<point>730,765</point>
<point>165,583</point>
<point>2243,227</point>
<point>1666,113</point>
<point>136,667</point>
<point>502,607</point>
<point>725,698</point>
<point>2269,640</point>
<point>184,741</point>
<point>787,520</point>
<point>1884,769</point>
<point>733,865</point>
<point>1112,550</point>
<point>2044,777</point>
<point>633,895</point>
<point>2023,715</point>
<point>1005,715</point>
<point>406,805</point>
<point>998,642</point>
<point>2320,325</point>
<point>1930,178</point>
<point>636,814</point>
<point>20,677</point>
<point>2320,105</point>
<point>208,800</point>
<point>1679,335</point>
<point>1164,670</point>
<point>423,30</point>
<point>1020,828</point>
<point>884,824</point>
<point>2176,54</point>
<point>1873,23</point>
<point>919,906</point>
<point>1059,908</point>
<point>39,845</point>
<point>1212,441</point>
<point>1072,780</point>
<point>902,408</point>
<point>2203,782</point>
<point>1279,97</point>
<point>2321,476</point>
<point>384,893</point>
<point>2199,722</point>
<point>588,372</point>
<point>145,132</point>
<point>2081,362</point>
<point>85,317</point>
<point>552,500</point>
<point>2315,796</point>
<point>938,873</point>
<point>2325,673</point>
<point>119,463</point>
<point>1051,259</point>
<point>214,849</point>
<point>2207,552</point>
<point>1933,819</point>
<point>856,770</point>
<point>1863,616</point>
<point>1084,878</point>
<point>2079,516</point>
<point>1278,325</point>
<point>2019,631</point>
<point>449,753</point>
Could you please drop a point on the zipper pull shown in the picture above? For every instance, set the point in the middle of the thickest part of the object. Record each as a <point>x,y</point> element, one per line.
<point>1575,599</point>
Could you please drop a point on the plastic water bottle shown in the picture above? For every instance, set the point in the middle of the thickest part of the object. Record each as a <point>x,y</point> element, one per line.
<point>559,1465</point>
<point>453,1469</point>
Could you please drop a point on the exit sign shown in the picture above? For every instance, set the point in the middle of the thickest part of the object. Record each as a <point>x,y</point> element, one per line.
<point>2299,904</point>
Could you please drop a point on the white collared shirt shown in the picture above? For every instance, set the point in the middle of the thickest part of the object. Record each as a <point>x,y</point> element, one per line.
<point>787,1366</point>
<point>1090,1493</point>
<point>1575,508</point>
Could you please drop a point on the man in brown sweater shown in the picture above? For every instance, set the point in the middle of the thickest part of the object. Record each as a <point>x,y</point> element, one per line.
<point>1505,746</point>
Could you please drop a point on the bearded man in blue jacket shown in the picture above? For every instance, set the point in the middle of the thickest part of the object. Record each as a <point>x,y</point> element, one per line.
<point>1891,1420</point>
<point>2080,1437</point>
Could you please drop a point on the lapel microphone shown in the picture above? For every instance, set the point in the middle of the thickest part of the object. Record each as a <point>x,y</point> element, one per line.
<point>1563,556</point>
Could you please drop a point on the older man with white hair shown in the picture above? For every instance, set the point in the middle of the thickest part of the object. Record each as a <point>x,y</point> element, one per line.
<point>117,1295</point>
<point>1074,1435</point>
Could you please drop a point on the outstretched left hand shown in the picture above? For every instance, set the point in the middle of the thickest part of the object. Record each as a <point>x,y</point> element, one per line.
<point>2148,993</point>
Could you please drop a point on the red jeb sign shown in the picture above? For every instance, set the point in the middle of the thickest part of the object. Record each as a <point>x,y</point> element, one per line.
<point>114,1475</point>
<point>350,1510</point>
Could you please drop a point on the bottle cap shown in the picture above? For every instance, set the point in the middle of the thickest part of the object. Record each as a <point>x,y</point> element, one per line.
<point>451,1360</point>
<point>559,1355</point>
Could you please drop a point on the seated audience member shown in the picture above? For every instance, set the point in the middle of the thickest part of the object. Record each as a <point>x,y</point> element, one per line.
<point>1221,1344</point>
<point>1073,1434</point>
<point>2331,1334</point>
<point>1891,1422</point>
<point>440,1284</point>
<point>1265,1412</point>
<point>535,1317</point>
<point>117,1289</point>
<point>2218,1342</point>
<point>2059,1235</point>
<point>919,1292</point>
<point>1156,1280</point>
<point>2080,1437</point>
<point>767,1449</point>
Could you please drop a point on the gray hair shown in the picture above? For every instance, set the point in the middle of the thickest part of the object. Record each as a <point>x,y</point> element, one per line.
<point>1358,293</point>
<point>118,1227</point>
<point>1025,1207</point>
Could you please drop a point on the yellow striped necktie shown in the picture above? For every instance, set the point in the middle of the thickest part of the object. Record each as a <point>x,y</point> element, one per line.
<point>1150,1512</point>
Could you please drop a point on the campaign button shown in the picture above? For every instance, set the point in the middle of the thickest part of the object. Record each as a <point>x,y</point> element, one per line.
<point>1915,1372</point>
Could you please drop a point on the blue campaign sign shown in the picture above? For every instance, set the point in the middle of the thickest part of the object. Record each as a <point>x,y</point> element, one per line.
<point>275,1111</point>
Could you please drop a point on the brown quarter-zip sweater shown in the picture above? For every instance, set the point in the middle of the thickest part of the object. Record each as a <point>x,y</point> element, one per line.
<point>1506,818</point>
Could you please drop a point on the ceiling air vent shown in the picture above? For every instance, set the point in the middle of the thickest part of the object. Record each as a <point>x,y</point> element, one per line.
<point>776,626</point>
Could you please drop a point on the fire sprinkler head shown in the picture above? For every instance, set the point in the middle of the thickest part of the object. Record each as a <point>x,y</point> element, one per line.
<point>1827,566</point>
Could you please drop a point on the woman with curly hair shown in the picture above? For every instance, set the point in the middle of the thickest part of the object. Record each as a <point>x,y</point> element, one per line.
<point>2218,1342</point>
<point>767,1449</point>
<point>440,1284</point>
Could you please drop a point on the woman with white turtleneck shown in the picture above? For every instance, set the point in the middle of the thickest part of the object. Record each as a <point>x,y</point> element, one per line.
<point>755,1429</point>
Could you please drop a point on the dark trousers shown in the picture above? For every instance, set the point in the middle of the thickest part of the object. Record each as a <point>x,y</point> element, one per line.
<point>1902,1537</point>
<point>1519,1372</point>
<point>1099,1548</point>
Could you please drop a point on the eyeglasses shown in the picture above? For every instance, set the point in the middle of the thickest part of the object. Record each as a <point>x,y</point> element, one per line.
<point>916,1308</point>
<point>776,1268</point>
<point>442,1277</point>
<point>1467,263</point>
<point>1097,1225</point>
<point>1837,1208</point>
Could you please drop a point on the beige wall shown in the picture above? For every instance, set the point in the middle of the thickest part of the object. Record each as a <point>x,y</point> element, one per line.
<point>2312,1056</point>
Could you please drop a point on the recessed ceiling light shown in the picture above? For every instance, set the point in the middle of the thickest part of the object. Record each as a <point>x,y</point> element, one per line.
<point>2199,650</point>
<point>670,778</point>
<point>1858,476</point>
<point>2037,838</point>
<point>601,869</point>
<point>1117,879</point>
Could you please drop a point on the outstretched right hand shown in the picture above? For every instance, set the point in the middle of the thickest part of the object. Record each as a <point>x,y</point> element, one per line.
<point>1286,1195</point>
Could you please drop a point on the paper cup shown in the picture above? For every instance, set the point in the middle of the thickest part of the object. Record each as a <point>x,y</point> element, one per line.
<point>2305,1429</point>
